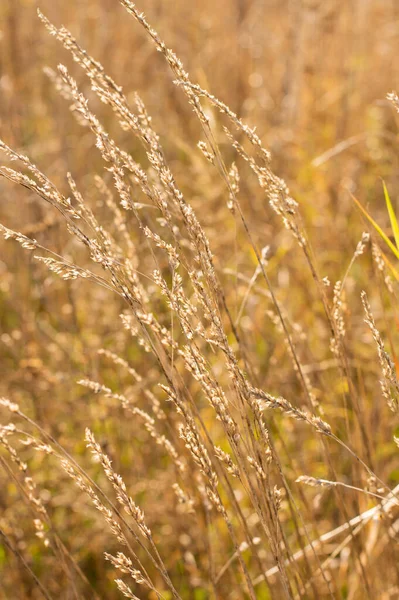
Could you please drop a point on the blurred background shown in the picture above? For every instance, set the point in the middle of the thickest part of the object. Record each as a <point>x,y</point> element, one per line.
<point>312,76</point>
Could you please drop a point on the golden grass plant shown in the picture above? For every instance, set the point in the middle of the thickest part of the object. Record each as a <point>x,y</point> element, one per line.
<point>199,376</point>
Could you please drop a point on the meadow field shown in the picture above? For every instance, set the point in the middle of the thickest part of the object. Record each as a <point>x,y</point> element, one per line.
<point>199,308</point>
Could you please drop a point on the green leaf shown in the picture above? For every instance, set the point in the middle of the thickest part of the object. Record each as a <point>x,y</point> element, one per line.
<point>392,216</point>
<point>376,227</point>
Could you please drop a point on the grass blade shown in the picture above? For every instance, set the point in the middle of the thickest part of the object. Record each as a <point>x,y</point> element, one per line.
<point>392,216</point>
<point>376,227</point>
<point>390,266</point>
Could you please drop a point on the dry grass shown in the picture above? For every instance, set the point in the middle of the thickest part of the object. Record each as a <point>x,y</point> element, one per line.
<point>204,402</point>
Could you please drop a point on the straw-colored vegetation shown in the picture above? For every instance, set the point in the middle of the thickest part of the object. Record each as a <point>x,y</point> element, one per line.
<point>199,318</point>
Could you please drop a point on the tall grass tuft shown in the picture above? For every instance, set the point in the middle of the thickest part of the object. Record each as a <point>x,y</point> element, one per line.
<point>206,406</point>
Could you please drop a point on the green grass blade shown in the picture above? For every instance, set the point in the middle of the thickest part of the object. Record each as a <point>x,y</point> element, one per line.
<point>376,227</point>
<point>390,266</point>
<point>392,216</point>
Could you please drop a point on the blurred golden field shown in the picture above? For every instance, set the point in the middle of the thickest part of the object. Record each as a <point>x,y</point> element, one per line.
<point>245,357</point>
